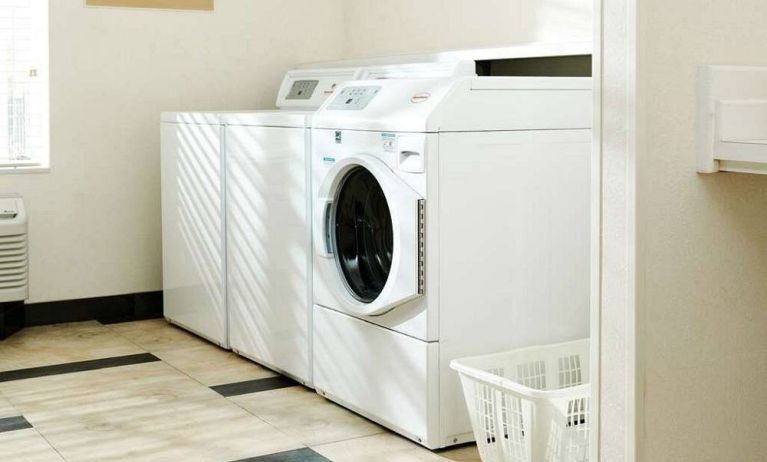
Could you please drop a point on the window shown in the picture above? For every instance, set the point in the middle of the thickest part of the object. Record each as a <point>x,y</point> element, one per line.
<point>363,234</point>
<point>23,84</point>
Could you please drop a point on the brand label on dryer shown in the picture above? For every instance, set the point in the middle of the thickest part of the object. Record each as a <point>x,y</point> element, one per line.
<point>420,97</point>
<point>329,159</point>
<point>389,142</point>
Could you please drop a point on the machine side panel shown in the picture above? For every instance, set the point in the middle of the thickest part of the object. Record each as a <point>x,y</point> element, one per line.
<point>193,229</point>
<point>514,248</point>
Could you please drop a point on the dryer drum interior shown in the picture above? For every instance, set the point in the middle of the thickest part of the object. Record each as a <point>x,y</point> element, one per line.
<point>363,234</point>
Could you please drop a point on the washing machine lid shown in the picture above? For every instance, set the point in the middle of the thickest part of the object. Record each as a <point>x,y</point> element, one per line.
<point>302,91</point>
<point>276,118</point>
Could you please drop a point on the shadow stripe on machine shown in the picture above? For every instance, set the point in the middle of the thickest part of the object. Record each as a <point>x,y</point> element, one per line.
<point>80,366</point>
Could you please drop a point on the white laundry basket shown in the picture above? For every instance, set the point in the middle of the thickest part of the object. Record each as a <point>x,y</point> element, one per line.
<point>531,404</point>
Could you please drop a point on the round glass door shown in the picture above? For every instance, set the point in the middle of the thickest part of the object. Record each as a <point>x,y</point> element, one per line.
<point>363,234</point>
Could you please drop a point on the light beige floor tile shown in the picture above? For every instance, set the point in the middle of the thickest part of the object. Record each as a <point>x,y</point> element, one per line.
<point>141,412</point>
<point>388,447</point>
<point>6,409</point>
<point>305,415</point>
<point>156,335</point>
<point>212,365</point>
<point>190,354</point>
<point>26,446</point>
<point>211,430</point>
<point>62,343</point>
<point>103,390</point>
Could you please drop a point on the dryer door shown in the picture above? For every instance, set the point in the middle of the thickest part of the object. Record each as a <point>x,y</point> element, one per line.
<point>369,226</point>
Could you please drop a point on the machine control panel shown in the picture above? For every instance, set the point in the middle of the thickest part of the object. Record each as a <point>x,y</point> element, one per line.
<point>302,89</point>
<point>355,98</point>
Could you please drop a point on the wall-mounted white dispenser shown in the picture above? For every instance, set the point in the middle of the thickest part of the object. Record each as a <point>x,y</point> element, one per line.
<point>732,119</point>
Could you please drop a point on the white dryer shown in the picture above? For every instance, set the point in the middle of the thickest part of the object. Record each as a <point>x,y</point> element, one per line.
<point>451,218</point>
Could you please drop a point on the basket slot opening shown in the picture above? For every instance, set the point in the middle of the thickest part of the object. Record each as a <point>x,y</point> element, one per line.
<point>532,375</point>
<point>570,371</point>
<point>485,410</point>
<point>576,412</point>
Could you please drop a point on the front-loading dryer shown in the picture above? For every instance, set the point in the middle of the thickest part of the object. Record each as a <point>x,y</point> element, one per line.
<point>451,218</point>
<point>369,243</point>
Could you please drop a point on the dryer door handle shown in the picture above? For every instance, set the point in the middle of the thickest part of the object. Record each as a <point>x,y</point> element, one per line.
<point>322,232</point>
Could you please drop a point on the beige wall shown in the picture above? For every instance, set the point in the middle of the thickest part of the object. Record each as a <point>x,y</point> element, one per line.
<point>95,218</point>
<point>376,27</point>
<point>702,242</point>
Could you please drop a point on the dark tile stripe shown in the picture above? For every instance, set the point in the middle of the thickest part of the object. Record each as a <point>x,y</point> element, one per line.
<point>253,386</point>
<point>297,455</point>
<point>11,318</point>
<point>80,366</point>
<point>9,424</point>
<point>106,310</point>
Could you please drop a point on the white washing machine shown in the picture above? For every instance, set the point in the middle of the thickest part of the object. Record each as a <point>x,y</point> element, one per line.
<point>194,205</point>
<point>193,232</point>
<point>269,252</point>
<point>268,226</point>
<point>451,218</point>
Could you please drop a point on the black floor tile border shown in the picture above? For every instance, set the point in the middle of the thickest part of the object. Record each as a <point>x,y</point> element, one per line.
<point>12,318</point>
<point>296,455</point>
<point>253,386</point>
<point>9,424</point>
<point>107,310</point>
<point>80,366</point>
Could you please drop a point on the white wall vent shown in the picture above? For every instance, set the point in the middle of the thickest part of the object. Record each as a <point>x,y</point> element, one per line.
<point>14,279</point>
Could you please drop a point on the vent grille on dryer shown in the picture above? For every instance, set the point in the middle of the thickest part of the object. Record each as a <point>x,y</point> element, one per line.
<point>13,249</point>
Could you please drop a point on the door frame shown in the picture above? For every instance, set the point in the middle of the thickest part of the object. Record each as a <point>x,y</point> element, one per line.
<point>616,379</point>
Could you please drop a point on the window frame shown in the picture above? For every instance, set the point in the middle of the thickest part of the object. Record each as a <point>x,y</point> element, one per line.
<point>41,25</point>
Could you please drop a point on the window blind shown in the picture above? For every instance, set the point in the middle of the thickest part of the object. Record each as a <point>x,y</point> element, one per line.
<point>23,83</point>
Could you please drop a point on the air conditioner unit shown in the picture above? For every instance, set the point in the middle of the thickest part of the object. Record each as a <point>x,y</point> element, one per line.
<point>14,280</point>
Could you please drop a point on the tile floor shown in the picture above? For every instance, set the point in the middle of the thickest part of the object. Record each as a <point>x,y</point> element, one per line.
<point>149,391</point>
